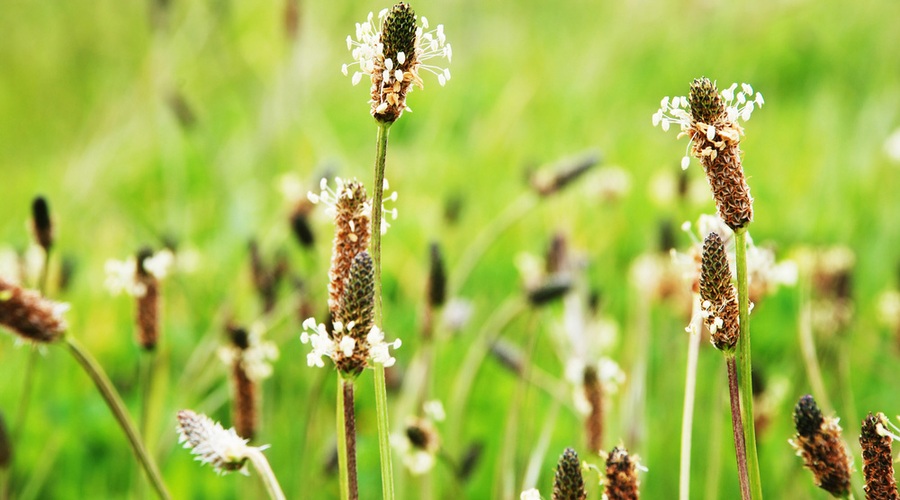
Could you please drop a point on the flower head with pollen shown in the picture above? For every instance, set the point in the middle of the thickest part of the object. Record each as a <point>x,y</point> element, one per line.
<point>252,351</point>
<point>392,56</point>
<point>30,315</point>
<point>717,295</point>
<point>126,276</point>
<point>212,444</point>
<point>709,118</point>
<point>818,441</point>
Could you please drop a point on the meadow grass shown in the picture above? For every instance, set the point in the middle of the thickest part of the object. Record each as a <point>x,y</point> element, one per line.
<point>84,120</point>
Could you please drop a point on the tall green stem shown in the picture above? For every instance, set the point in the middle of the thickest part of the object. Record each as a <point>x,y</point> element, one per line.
<point>343,475</point>
<point>384,444</point>
<point>740,242</point>
<point>93,369</point>
<point>740,447</point>
<point>687,415</point>
<point>266,475</point>
<point>377,198</point>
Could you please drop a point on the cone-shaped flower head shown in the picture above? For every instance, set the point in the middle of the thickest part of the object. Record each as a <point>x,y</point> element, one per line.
<point>31,316</point>
<point>41,223</point>
<point>212,444</point>
<point>437,278</point>
<point>621,476</point>
<point>710,119</point>
<point>352,212</point>
<point>818,441</point>
<point>878,463</point>
<point>568,484</point>
<point>393,56</point>
<point>717,295</point>
<point>147,303</point>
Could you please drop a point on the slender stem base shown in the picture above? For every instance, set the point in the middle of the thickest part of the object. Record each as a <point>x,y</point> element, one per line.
<point>343,471</point>
<point>384,444</point>
<point>740,243</point>
<point>377,199</point>
<point>687,415</point>
<point>740,447</point>
<point>350,437</point>
<point>93,369</point>
<point>266,475</point>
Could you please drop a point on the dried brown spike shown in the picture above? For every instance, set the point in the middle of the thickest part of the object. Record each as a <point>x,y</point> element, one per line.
<point>244,400</point>
<point>358,302</point>
<point>878,463</point>
<point>568,483</point>
<point>41,223</point>
<point>621,476</point>
<point>717,295</point>
<point>351,236</point>
<point>437,277</point>
<point>818,441</point>
<point>593,423</point>
<point>29,315</point>
<point>147,304</point>
<point>5,445</point>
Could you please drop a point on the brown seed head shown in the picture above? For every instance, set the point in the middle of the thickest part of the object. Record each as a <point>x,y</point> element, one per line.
<point>5,445</point>
<point>878,463</point>
<point>31,316</point>
<point>244,400</point>
<point>621,476</point>
<point>437,278</point>
<point>356,314</point>
<point>147,304</point>
<point>717,295</point>
<point>351,236</point>
<point>593,423</point>
<point>818,441</point>
<point>568,483</point>
<point>422,435</point>
<point>715,142</point>
<point>398,34</point>
<point>41,223</point>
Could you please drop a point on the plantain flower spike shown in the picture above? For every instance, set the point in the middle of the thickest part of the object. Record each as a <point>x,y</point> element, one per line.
<point>818,441</point>
<point>393,55</point>
<point>717,296</point>
<point>710,119</point>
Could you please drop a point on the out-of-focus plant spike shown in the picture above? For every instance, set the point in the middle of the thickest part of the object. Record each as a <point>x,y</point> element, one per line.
<point>564,173</point>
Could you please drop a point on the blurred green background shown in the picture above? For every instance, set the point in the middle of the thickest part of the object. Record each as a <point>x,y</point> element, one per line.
<point>172,120</point>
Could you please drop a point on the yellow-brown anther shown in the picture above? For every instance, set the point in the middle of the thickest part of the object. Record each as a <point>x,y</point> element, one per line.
<point>717,295</point>
<point>29,315</point>
<point>818,441</point>
<point>621,476</point>
<point>878,462</point>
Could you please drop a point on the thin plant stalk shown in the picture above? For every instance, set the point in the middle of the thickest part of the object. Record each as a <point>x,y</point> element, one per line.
<point>740,243</point>
<point>114,401</point>
<point>740,447</point>
<point>687,415</point>
<point>810,359</point>
<point>265,474</point>
<point>478,349</point>
<point>349,418</point>
<point>381,407</point>
<point>28,376</point>
<point>343,471</point>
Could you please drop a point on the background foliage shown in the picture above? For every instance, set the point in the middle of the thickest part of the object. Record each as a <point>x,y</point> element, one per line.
<point>87,119</point>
